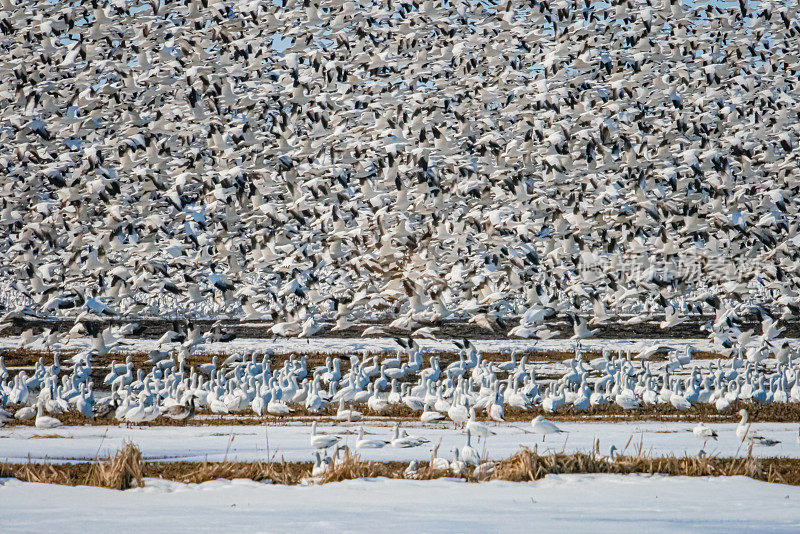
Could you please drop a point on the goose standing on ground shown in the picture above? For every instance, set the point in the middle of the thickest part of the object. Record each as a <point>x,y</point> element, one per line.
<point>544,427</point>
<point>704,432</point>
<point>468,454</point>
<point>458,412</point>
<point>478,429</point>
<point>743,427</point>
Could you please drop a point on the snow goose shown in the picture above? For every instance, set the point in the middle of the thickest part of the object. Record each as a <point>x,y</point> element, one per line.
<point>401,440</point>
<point>377,403</point>
<point>484,471</point>
<point>553,402</point>
<point>582,401</point>
<point>495,409</point>
<point>276,406</point>
<point>25,413</point>
<point>321,463</point>
<point>704,432</point>
<point>544,427</point>
<point>45,421</point>
<point>364,443</point>
<point>627,400</point>
<point>181,412</point>
<point>722,404</point>
<point>259,405</point>
<point>430,416</point>
<point>457,466</point>
<point>468,454</point>
<point>477,428</point>
<point>344,414</point>
<point>458,412</point>
<point>219,407</point>
<point>757,439</point>
<point>439,464</point>
<point>598,397</point>
<point>321,441</point>
<point>415,403</point>
<point>745,434</point>
<point>742,428</point>
<point>84,403</point>
<point>677,399</point>
<point>314,401</point>
<point>138,412</point>
<point>412,471</point>
<point>441,404</point>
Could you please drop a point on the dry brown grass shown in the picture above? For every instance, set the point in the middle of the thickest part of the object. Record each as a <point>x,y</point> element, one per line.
<point>126,469</point>
<point>528,465</point>
<point>351,467</point>
<point>195,473</point>
<point>120,471</point>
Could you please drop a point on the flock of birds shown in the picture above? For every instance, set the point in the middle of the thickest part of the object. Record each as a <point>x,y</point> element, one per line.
<point>468,458</point>
<point>328,160</point>
<point>247,384</point>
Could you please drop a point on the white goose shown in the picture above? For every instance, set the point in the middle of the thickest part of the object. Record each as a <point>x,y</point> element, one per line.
<point>364,443</point>
<point>704,432</point>
<point>401,440</point>
<point>744,433</point>
<point>544,427</point>
<point>468,453</point>
<point>477,428</point>
<point>344,414</point>
<point>45,421</point>
<point>321,441</point>
<point>430,416</point>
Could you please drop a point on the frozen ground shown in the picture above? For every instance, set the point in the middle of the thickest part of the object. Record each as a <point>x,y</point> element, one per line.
<point>290,441</point>
<point>582,503</point>
<point>387,344</point>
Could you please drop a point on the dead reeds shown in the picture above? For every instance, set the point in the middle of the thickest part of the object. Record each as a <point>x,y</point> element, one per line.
<point>122,471</point>
<point>126,469</point>
<point>527,465</point>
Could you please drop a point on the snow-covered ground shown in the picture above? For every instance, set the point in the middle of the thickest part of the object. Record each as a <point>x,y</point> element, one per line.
<point>291,441</point>
<point>383,344</point>
<point>597,503</point>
